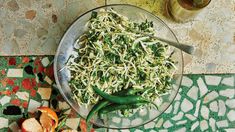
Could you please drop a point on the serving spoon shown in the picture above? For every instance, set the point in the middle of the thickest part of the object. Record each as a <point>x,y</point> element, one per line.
<point>184,47</point>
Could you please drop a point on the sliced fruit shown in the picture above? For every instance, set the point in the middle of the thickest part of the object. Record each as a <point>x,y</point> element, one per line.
<point>31,125</point>
<point>49,112</point>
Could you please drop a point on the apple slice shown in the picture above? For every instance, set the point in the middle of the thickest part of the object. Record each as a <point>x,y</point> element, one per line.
<point>31,125</point>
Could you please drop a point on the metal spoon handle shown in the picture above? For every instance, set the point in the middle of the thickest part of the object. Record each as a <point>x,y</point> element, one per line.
<point>184,47</point>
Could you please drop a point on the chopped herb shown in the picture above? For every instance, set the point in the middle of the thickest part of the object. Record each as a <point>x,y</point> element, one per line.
<point>93,14</point>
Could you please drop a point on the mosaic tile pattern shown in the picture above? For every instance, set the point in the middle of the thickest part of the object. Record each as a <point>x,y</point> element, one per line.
<point>21,78</point>
<point>204,102</point>
<point>26,25</point>
<point>25,84</point>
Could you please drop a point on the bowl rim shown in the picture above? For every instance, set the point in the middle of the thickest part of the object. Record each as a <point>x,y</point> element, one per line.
<point>58,86</point>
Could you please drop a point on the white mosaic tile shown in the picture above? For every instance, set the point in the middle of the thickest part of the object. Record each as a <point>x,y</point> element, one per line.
<point>136,121</point>
<point>205,112</point>
<point>213,80</point>
<point>143,112</point>
<point>180,90</point>
<point>111,130</point>
<point>4,100</point>
<point>33,105</point>
<point>153,112</point>
<point>169,109</point>
<point>229,81</point>
<point>183,129</point>
<point>159,123</point>
<point>227,93</point>
<point>210,96</point>
<point>181,122</point>
<point>212,124</point>
<point>36,78</point>
<point>204,125</point>
<point>186,105</point>
<point>126,130</point>
<point>45,103</point>
<point>222,108</point>
<point>137,130</point>
<point>231,115</point>
<point>158,101</point>
<point>163,130</point>
<point>223,123</point>
<point>194,126</point>
<point>23,95</point>
<point>15,73</point>
<point>116,119</point>
<point>190,117</point>
<point>197,108</point>
<point>193,93</point>
<point>230,130</point>
<point>149,125</point>
<point>230,103</point>
<point>63,105</point>
<point>178,97</point>
<point>67,112</point>
<point>202,87</point>
<point>72,123</point>
<point>45,93</point>
<point>178,116</point>
<point>167,124</point>
<point>126,121</point>
<point>152,130</point>
<point>214,106</point>
<point>14,127</point>
<point>3,122</point>
<point>45,61</point>
<point>186,82</point>
<point>176,107</point>
<point>48,80</point>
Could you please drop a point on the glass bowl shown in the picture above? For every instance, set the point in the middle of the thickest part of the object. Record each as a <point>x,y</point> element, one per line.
<point>115,119</point>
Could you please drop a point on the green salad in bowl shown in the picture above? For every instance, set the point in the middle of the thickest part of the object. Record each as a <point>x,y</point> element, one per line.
<point>115,69</point>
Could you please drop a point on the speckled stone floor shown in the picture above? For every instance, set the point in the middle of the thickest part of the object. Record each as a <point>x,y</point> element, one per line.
<point>30,27</point>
